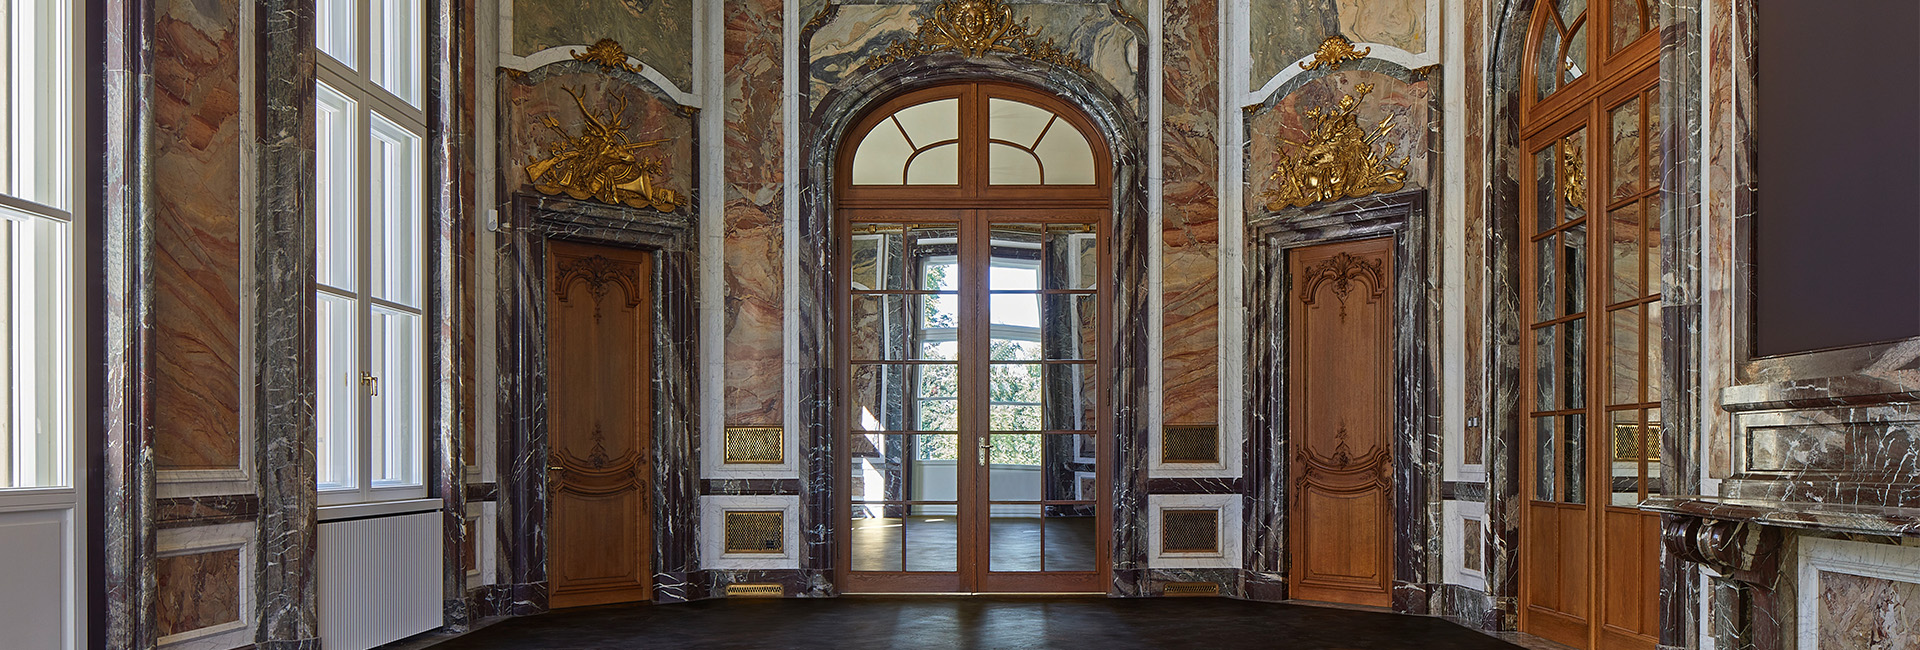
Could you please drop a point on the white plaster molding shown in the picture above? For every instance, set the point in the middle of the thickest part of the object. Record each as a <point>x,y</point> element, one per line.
<point>1380,51</point>
<point>1820,555</point>
<point>170,542</point>
<point>1454,197</point>
<point>1156,196</point>
<point>1231,449</point>
<point>507,59</point>
<point>790,86</point>
<point>1230,532</point>
<point>1455,515</point>
<point>713,534</point>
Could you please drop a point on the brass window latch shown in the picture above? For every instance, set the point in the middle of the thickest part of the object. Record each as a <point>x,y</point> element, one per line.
<point>986,450</point>
<point>371,383</point>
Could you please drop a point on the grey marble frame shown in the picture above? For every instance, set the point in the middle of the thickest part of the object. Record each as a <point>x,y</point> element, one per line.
<point>1125,134</point>
<point>1404,217</point>
<point>522,341</point>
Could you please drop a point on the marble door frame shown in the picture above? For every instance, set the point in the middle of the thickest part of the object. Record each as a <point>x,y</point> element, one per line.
<point>822,135</point>
<point>522,309</point>
<point>1417,434</point>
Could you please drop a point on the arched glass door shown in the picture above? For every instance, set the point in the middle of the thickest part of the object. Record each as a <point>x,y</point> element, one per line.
<point>972,261</point>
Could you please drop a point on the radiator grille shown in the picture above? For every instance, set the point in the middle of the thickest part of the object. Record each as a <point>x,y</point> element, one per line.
<point>754,531</point>
<point>379,579</point>
<point>1190,444</point>
<point>1190,531</point>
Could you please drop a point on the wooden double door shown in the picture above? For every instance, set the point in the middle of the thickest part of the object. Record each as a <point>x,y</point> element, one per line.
<point>1340,317</point>
<point>599,409</point>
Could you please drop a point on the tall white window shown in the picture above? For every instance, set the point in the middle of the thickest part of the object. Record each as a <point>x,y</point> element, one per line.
<point>36,295</point>
<point>369,235</point>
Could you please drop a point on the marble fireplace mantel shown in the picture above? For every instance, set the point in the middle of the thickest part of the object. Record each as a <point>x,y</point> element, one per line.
<point>1824,517</point>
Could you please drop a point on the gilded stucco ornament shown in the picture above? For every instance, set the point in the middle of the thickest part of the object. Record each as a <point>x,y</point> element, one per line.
<point>1333,52</point>
<point>608,54</point>
<point>976,28</point>
<point>1574,170</point>
<point>600,163</point>
<point>1337,160</point>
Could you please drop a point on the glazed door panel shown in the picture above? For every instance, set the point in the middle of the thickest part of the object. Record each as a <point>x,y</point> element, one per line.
<point>599,330</point>
<point>1340,322</point>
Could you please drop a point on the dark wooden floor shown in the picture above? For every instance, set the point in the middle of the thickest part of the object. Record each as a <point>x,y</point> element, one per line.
<point>943,622</point>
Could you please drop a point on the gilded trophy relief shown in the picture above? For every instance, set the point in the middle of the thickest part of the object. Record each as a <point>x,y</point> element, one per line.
<point>1339,158</point>
<point>601,162</point>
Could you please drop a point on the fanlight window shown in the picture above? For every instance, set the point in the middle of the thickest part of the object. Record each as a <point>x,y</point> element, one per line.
<point>1560,54</point>
<point>1025,144</point>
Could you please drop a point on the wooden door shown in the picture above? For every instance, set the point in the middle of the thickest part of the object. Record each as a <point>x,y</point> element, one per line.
<point>1340,369</point>
<point>600,469</point>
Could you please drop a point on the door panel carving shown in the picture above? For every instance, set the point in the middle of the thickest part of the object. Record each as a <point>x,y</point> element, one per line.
<point>1341,421</point>
<point>599,410</point>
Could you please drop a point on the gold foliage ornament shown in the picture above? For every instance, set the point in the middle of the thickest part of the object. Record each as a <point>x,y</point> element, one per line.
<point>608,54</point>
<point>600,163</point>
<point>976,28</point>
<point>1333,52</point>
<point>1338,159</point>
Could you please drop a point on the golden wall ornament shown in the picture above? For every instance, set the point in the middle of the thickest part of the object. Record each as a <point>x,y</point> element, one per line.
<point>1333,52</point>
<point>976,28</point>
<point>1573,168</point>
<point>607,54</point>
<point>1337,160</point>
<point>600,163</point>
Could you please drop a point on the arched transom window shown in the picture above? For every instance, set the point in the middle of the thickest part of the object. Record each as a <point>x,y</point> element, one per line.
<point>969,137</point>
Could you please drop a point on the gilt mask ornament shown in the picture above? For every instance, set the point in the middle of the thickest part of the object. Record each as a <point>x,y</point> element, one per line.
<point>973,29</point>
<point>1338,159</point>
<point>601,163</point>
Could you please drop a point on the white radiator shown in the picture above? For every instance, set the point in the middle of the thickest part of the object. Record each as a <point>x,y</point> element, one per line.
<point>379,579</point>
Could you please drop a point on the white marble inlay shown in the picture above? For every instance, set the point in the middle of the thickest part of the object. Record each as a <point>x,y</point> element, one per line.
<point>713,532</point>
<point>1229,534</point>
<point>1821,555</point>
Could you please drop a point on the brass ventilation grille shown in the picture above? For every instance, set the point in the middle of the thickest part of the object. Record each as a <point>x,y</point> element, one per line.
<point>758,590</point>
<point>752,531</point>
<point>754,446</point>
<point>1195,443</point>
<point>1190,531</point>
<point>1191,589</point>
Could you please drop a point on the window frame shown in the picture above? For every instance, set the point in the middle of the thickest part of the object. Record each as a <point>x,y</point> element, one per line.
<point>355,452</point>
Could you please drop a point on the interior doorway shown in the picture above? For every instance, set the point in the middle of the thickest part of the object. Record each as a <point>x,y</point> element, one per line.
<point>599,391</point>
<point>974,291</point>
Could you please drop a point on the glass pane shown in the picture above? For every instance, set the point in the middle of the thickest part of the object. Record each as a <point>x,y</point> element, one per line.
<point>36,129</point>
<point>35,339</point>
<point>933,540</point>
<point>1008,165</point>
<point>1072,397</point>
<point>1065,156</point>
<point>1655,363</point>
<point>939,165</point>
<point>1628,23</point>
<point>1546,357</point>
<point>1546,191</point>
<point>1570,10</point>
<point>395,48</point>
<point>881,157</point>
<point>1625,445</point>
<point>1626,356</point>
<point>1573,264</point>
<point>1656,445</point>
<point>1072,257</point>
<point>336,198</point>
<point>396,405</point>
<point>337,382</point>
<point>1014,533</point>
<point>932,474</point>
<point>1573,364</point>
<point>395,201</point>
<point>1623,233</point>
<point>896,257</point>
<point>1653,137</point>
<point>1574,179</point>
<point>1016,122</point>
<point>877,471</point>
<point>1546,278</point>
<point>1544,459</point>
<point>1577,53</point>
<point>875,540</point>
<point>1017,253</point>
<point>1072,327</point>
<point>1625,149</point>
<point>1651,209</point>
<point>334,29</point>
<point>1575,455</point>
<point>1070,542</point>
<point>931,123</point>
<point>879,396</point>
<point>1546,62</point>
<point>1014,391</point>
<point>1019,454</point>
<point>895,327</point>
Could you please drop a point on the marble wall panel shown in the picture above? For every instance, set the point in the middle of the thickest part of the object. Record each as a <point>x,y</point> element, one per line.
<point>196,261</point>
<point>1867,612</point>
<point>1410,104</point>
<point>196,591</point>
<point>527,99</point>
<point>1190,212</point>
<point>657,32</point>
<point>1284,31</point>
<point>754,205</point>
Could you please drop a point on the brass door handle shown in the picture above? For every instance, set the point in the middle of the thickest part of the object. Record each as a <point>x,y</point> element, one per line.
<point>986,450</point>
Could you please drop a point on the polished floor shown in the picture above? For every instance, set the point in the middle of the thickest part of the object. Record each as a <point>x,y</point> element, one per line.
<point>942,622</point>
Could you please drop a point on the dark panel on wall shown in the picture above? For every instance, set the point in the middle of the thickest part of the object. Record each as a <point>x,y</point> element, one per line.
<point>1837,232</point>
